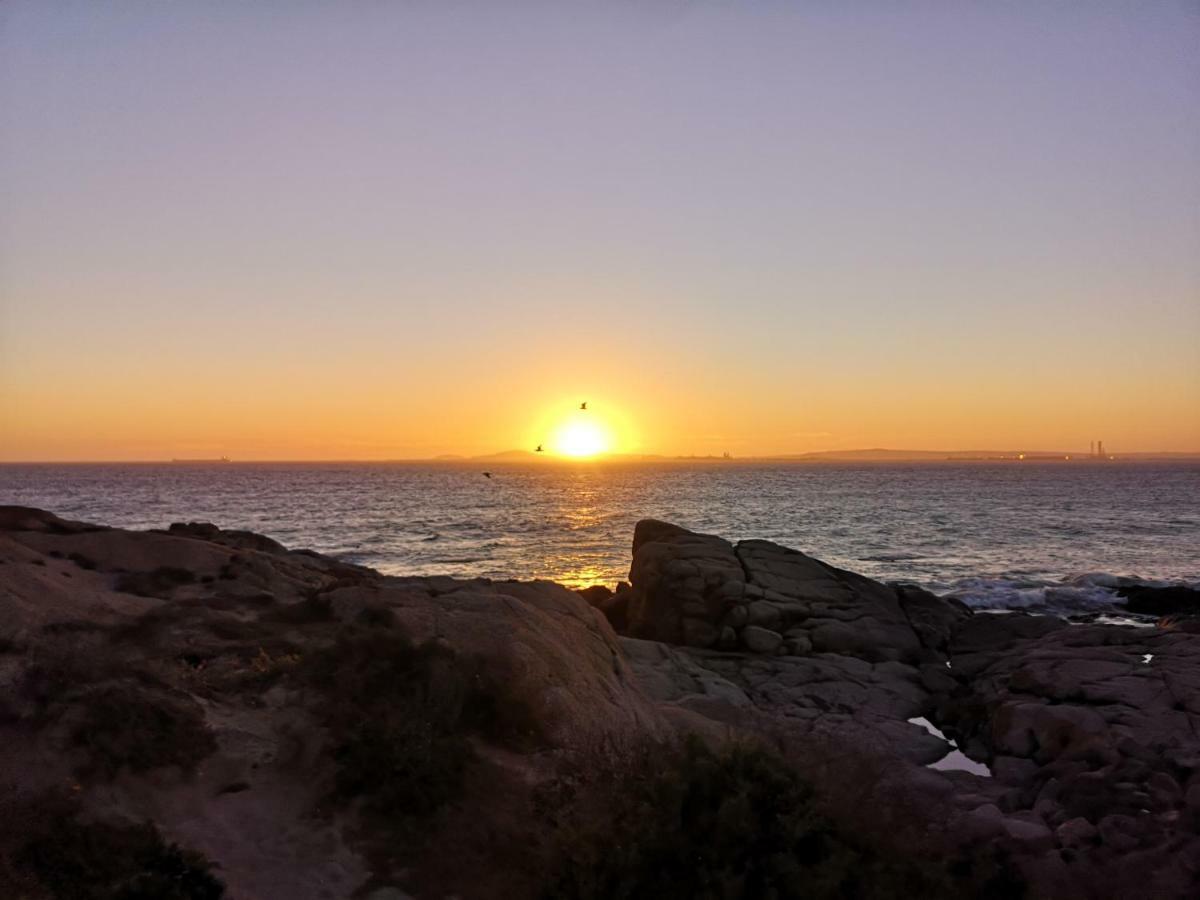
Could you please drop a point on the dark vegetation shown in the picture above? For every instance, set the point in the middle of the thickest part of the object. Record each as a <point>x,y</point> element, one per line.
<point>139,728</point>
<point>401,717</point>
<point>685,821</point>
<point>55,674</point>
<point>52,854</point>
<point>116,717</point>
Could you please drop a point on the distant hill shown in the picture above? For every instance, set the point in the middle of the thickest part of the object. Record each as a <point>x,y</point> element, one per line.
<point>507,456</point>
<point>871,454</point>
<point>886,455</point>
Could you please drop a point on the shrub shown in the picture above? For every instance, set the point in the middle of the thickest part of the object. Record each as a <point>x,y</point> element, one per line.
<point>400,717</point>
<point>683,821</point>
<point>73,861</point>
<point>55,673</point>
<point>686,822</point>
<point>130,726</point>
<point>394,713</point>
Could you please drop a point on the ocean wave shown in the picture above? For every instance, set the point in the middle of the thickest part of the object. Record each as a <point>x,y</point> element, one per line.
<point>1025,594</point>
<point>1086,594</point>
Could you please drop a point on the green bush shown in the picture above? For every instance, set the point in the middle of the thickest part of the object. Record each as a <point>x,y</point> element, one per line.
<point>73,861</point>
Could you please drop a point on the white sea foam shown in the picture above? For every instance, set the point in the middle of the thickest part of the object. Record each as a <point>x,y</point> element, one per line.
<point>1092,593</point>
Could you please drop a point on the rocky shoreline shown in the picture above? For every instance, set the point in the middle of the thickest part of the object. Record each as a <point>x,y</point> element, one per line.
<point>223,689</point>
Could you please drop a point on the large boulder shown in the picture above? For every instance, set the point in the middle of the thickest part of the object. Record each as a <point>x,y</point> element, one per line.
<point>172,677</point>
<point>682,584</point>
<point>702,591</point>
<point>1161,601</point>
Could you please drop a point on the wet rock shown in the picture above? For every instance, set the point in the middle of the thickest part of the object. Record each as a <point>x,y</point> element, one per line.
<point>1161,601</point>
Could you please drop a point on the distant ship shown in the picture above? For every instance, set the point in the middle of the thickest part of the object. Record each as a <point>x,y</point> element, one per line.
<point>220,459</point>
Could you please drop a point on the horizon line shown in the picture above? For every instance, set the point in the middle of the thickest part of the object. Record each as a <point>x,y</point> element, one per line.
<point>963,455</point>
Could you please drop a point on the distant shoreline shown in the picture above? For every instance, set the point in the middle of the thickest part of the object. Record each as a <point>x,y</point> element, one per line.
<point>882,458</point>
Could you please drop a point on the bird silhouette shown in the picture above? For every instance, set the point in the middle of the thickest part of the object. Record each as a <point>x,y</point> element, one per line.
<point>539,449</point>
<point>583,405</point>
<point>487,474</point>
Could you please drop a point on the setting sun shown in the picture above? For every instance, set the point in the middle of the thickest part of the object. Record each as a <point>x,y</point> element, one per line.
<point>582,436</point>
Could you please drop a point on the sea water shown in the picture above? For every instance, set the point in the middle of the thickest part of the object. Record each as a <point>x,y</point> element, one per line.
<point>1043,536</point>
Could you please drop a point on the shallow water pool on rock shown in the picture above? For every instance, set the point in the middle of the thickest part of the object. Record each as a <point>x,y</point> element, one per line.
<point>955,760</point>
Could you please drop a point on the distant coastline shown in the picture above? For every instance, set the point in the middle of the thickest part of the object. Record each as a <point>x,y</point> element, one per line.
<point>874,455</point>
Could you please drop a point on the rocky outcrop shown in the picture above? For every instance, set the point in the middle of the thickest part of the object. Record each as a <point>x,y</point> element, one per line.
<point>702,591</point>
<point>682,584</point>
<point>1147,600</point>
<point>1095,731</point>
<point>235,693</point>
<point>162,676</point>
<point>1090,731</point>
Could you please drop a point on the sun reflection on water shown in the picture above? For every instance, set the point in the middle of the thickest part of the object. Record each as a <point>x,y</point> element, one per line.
<point>576,573</point>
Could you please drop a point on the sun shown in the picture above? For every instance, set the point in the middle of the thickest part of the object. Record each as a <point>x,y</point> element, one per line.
<point>581,436</point>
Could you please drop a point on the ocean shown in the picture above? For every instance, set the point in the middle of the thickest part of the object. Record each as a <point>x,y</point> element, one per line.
<point>1045,536</point>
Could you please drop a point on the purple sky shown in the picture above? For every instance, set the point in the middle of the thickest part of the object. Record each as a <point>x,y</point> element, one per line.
<point>762,227</point>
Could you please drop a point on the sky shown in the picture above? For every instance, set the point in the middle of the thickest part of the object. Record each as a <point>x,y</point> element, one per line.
<point>361,230</point>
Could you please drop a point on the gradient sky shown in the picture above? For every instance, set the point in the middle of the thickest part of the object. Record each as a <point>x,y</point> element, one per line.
<point>382,230</point>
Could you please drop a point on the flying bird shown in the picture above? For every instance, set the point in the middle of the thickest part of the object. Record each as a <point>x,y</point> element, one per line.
<point>487,474</point>
<point>539,449</point>
<point>583,405</point>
